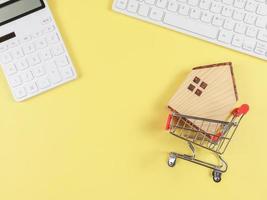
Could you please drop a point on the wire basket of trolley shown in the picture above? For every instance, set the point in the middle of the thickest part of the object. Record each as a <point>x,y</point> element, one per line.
<point>213,135</point>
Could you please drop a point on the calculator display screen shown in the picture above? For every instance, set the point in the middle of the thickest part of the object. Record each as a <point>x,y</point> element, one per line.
<point>14,9</point>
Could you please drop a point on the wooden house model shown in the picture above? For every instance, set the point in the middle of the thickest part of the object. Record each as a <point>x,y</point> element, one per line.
<point>208,92</point>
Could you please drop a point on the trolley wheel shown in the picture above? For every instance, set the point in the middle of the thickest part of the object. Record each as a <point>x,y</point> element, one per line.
<point>172,161</point>
<point>217,176</point>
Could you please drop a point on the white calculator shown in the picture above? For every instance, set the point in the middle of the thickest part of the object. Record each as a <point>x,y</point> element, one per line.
<point>32,53</point>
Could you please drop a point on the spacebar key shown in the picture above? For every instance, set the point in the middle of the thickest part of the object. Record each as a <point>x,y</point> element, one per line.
<point>191,25</point>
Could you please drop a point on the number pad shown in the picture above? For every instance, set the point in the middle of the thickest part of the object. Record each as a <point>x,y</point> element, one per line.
<point>36,62</point>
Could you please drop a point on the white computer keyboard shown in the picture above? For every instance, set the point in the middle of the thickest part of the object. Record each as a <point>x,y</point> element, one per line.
<point>237,24</point>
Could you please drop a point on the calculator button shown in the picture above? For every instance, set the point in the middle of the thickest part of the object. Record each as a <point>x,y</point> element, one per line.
<point>52,38</point>
<point>22,65</point>
<point>61,61</point>
<point>53,74</point>
<point>40,44</point>
<point>38,71</point>
<point>38,34</point>
<point>31,88</point>
<point>6,58</point>
<point>19,92</point>
<point>28,48</point>
<point>10,69</point>
<point>26,76</point>
<point>15,81</point>
<point>13,44</point>
<point>3,48</point>
<point>67,73</point>
<point>46,20</point>
<point>43,83</point>
<point>26,38</point>
<point>17,53</point>
<point>45,55</point>
<point>33,60</point>
<point>49,29</point>
<point>57,50</point>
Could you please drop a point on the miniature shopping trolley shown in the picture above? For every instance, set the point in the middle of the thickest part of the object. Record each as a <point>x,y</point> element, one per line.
<point>212,135</point>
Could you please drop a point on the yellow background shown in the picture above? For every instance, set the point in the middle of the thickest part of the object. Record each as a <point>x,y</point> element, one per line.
<point>102,136</point>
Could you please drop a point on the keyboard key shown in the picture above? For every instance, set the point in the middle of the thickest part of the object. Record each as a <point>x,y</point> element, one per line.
<point>10,69</point>
<point>262,36</point>
<point>62,61</point>
<point>238,40</point>
<point>45,55</point>
<point>225,37</point>
<point>193,2</point>
<point>26,76</point>
<point>15,81</point>
<point>259,51</point>
<point>19,92</point>
<point>66,73</point>
<point>132,6</point>
<point>206,17</point>
<point>173,5</point>
<point>38,71</point>
<point>261,48</point>
<point>195,13</point>
<point>6,58</point>
<point>262,45</point>
<point>121,4</point>
<point>261,22</point>
<point>238,15</point>
<point>184,9</point>
<point>240,28</point>
<point>239,3</point>
<point>191,25</point>
<point>216,7</point>
<point>227,11</point>
<point>28,48</point>
<point>252,31</point>
<point>22,65</point>
<point>33,60</point>
<point>250,18</point>
<point>218,20</point>
<point>156,14</point>
<point>143,10</point>
<point>57,50</point>
<point>229,2</point>
<point>262,10</point>
<point>249,45</point>
<point>251,6</point>
<point>150,1</point>
<point>205,4</point>
<point>43,83</point>
<point>162,3</point>
<point>31,88</point>
<point>229,24</point>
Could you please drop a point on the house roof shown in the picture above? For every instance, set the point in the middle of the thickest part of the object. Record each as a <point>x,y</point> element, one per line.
<point>226,64</point>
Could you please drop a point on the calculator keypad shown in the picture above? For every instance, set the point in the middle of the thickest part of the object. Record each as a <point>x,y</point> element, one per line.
<point>36,62</point>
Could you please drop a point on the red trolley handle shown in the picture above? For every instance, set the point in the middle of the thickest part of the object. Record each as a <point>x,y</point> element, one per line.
<point>242,110</point>
<point>168,124</point>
